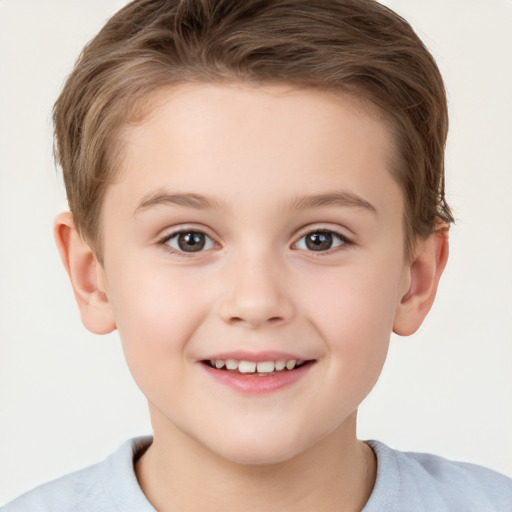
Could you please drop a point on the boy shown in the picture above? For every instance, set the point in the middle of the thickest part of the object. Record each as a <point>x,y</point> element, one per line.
<point>257,201</point>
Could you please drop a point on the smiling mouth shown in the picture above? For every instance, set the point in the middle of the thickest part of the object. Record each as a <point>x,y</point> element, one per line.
<point>253,368</point>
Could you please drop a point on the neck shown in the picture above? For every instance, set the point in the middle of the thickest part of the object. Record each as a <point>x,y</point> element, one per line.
<point>336,474</point>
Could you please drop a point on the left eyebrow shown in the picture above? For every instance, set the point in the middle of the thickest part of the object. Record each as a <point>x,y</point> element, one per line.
<point>343,199</point>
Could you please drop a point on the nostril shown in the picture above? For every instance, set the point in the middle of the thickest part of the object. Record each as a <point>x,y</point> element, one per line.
<point>255,322</point>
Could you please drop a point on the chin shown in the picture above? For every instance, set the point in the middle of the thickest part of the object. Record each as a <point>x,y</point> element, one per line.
<point>260,449</point>
<point>247,456</point>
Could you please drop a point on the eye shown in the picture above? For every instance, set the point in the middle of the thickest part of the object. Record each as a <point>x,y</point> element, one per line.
<point>189,241</point>
<point>321,240</point>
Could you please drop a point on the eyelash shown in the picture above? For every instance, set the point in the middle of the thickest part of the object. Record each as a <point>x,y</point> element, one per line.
<point>164,242</point>
<point>343,241</point>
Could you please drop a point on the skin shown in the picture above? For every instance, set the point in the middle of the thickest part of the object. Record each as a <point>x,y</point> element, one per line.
<point>258,155</point>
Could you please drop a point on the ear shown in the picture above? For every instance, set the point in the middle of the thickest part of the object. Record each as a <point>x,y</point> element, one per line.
<point>86,274</point>
<point>423,276</point>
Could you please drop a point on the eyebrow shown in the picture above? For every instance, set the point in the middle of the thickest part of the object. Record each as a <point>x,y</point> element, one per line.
<point>343,199</point>
<point>201,202</point>
<point>188,200</point>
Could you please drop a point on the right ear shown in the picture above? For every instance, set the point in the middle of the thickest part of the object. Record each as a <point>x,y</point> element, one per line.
<point>86,274</point>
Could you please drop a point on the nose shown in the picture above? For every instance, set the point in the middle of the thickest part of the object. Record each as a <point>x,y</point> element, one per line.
<point>256,294</point>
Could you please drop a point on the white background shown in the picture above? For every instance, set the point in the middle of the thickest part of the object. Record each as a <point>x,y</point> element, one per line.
<point>66,398</point>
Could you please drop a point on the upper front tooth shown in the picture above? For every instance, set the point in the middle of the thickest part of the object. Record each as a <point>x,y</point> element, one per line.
<point>280,365</point>
<point>265,367</point>
<point>231,364</point>
<point>219,363</point>
<point>246,366</point>
<point>290,365</point>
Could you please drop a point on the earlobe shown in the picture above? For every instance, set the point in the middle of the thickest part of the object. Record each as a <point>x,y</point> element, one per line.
<point>86,275</point>
<point>424,274</point>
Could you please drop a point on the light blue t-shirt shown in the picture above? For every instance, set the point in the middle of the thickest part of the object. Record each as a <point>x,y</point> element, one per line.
<point>406,482</point>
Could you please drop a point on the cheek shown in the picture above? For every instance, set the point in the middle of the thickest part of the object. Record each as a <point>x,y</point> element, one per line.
<point>155,316</point>
<point>353,309</point>
<point>358,298</point>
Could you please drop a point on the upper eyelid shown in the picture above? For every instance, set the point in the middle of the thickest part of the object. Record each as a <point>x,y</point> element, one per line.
<point>316,229</point>
<point>346,244</point>
<point>169,233</point>
<point>163,242</point>
<point>341,237</point>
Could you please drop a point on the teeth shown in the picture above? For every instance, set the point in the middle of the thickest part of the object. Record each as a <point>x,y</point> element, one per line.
<point>231,364</point>
<point>290,365</point>
<point>246,367</point>
<point>253,367</point>
<point>265,367</point>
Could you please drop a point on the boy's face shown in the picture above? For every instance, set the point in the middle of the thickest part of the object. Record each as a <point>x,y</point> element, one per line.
<point>259,224</point>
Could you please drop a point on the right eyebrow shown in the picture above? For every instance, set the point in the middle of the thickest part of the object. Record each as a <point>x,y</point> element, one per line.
<point>188,200</point>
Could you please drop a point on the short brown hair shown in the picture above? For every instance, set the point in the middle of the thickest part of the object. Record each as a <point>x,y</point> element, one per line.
<point>354,46</point>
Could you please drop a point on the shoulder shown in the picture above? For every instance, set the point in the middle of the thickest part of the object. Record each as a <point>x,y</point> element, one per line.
<point>425,482</point>
<point>104,487</point>
<point>72,492</point>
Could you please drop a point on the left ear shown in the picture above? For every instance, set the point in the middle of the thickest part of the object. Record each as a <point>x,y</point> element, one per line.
<point>430,257</point>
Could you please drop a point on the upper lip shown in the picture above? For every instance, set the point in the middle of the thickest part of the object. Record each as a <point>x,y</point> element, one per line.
<point>257,357</point>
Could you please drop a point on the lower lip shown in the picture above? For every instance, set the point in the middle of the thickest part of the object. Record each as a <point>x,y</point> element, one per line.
<point>253,384</point>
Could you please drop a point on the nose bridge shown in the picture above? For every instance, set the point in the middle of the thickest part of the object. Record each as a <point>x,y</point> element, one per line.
<point>256,291</point>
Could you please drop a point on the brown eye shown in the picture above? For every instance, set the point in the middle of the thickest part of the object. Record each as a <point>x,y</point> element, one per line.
<point>320,241</point>
<point>190,241</point>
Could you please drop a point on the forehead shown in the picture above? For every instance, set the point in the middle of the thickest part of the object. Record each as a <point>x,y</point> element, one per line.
<point>272,140</point>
